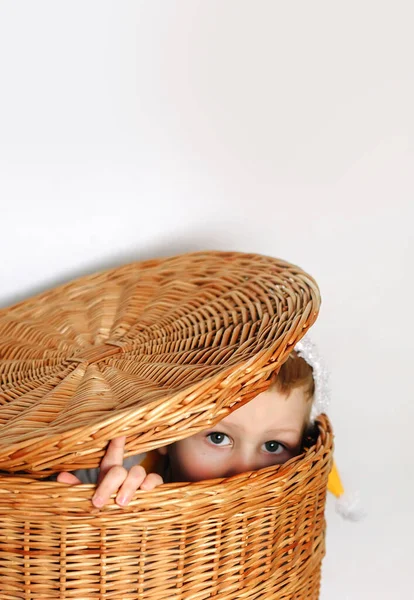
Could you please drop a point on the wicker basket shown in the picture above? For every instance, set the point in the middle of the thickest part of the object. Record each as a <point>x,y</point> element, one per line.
<point>156,350</point>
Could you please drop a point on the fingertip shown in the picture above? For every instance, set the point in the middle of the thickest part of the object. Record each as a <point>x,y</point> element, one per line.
<point>69,478</point>
<point>146,485</point>
<point>152,481</point>
<point>121,500</point>
<point>97,501</point>
<point>119,440</point>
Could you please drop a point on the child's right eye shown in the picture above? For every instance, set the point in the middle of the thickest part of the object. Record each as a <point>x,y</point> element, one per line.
<point>218,439</point>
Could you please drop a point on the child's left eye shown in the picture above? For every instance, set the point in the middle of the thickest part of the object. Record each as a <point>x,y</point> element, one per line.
<point>274,447</point>
<point>218,439</point>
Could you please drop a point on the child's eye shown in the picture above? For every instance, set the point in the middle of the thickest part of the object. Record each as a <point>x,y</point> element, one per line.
<point>219,439</point>
<point>274,447</point>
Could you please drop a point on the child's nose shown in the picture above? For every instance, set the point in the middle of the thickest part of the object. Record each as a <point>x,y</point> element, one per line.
<point>241,464</point>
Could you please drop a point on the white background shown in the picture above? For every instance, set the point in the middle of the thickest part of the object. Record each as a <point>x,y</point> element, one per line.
<point>135,129</point>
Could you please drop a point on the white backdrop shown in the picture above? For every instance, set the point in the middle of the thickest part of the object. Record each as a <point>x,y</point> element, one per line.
<point>133,129</point>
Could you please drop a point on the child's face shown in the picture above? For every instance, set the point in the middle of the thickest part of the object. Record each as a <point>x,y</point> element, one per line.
<point>266,431</point>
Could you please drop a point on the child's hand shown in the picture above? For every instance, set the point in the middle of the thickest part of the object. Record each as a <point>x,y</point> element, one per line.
<point>113,477</point>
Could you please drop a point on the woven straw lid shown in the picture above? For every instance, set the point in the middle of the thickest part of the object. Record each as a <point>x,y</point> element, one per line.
<point>155,350</point>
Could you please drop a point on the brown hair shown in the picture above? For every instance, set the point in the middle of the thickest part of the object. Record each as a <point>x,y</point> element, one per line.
<point>295,372</point>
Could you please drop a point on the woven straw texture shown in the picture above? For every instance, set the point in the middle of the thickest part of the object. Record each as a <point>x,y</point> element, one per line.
<point>157,350</point>
<point>258,535</point>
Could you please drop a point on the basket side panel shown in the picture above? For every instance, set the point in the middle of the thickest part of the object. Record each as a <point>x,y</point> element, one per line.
<point>254,535</point>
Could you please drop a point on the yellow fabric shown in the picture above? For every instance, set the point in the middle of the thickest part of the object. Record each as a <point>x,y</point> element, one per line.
<point>334,482</point>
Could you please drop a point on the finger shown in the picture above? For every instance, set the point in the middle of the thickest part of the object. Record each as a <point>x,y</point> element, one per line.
<point>151,481</point>
<point>136,476</point>
<point>66,477</point>
<point>110,484</point>
<point>113,456</point>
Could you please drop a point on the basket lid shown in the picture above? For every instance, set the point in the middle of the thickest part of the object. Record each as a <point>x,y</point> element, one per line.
<point>155,350</point>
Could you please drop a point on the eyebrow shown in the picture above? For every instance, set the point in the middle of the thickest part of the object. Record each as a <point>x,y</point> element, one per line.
<point>277,431</point>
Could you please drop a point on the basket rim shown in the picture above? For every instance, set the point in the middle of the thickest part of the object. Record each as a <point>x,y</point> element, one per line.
<point>64,501</point>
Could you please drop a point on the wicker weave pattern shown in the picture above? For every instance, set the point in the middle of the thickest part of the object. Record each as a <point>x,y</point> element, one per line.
<point>156,350</point>
<point>160,349</point>
<point>258,535</point>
